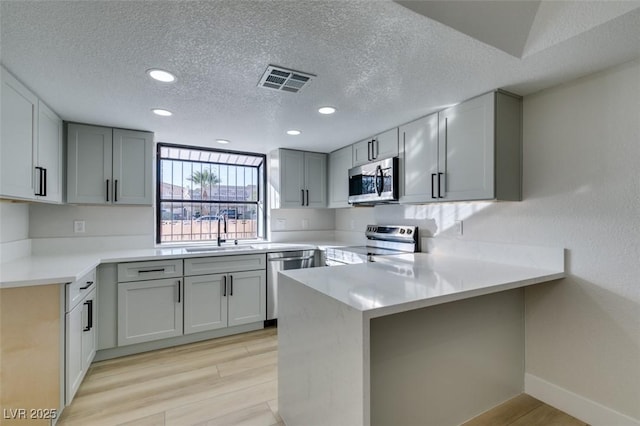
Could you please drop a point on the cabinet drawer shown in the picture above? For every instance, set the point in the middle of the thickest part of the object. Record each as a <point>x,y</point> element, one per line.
<point>156,269</point>
<point>77,290</point>
<point>223,264</point>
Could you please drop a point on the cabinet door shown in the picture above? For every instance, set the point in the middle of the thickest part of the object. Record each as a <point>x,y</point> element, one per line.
<point>17,138</point>
<point>361,152</point>
<point>247,297</point>
<point>49,155</point>
<point>89,306</point>
<point>315,178</point>
<point>149,310</point>
<point>132,163</point>
<point>205,303</point>
<point>386,145</point>
<point>419,160</point>
<point>340,162</point>
<point>89,169</point>
<point>466,152</point>
<point>291,178</point>
<point>73,351</point>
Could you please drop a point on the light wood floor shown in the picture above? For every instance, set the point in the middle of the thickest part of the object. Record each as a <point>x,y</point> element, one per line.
<point>226,381</point>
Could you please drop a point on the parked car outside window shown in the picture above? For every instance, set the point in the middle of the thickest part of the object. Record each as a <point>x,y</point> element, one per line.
<point>208,218</point>
<point>230,214</point>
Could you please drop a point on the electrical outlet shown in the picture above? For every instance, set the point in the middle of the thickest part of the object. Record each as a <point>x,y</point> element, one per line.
<point>457,227</point>
<point>305,223</point>
<point>78,226</point>
<point>281,224</point>
<point>352,224</point>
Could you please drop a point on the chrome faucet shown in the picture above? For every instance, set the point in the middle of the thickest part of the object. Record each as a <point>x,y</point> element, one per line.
<point>222,218</point>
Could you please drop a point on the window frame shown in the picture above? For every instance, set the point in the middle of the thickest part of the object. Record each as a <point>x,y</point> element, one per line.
<point>262,189</point>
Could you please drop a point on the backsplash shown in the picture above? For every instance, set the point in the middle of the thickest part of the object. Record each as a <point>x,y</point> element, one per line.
<point>301,224</point>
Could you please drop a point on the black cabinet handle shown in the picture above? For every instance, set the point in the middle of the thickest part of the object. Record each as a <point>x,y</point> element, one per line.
<point>44,187</point>
<point>369,150</point>
<point>107,190</point>
<point>146,271</point>
<point>374,154</point>
<point>231,285</point>
<point>307,197</point>
<point>89,284</point>
<point>439,186</point>
<point>89,326</point>
<point>39,190</point>
<point>224,286</point>
<point>179,296</point>
<point>115,191</point>
<point>433,193</point>
<point>302,195</point>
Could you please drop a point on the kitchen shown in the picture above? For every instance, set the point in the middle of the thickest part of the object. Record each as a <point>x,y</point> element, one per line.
<point>580,130</point>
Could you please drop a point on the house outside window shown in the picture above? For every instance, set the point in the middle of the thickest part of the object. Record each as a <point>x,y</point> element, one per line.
<point>200,189</point>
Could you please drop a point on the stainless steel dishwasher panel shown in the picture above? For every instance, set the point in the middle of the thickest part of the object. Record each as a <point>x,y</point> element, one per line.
<point>284,261</point>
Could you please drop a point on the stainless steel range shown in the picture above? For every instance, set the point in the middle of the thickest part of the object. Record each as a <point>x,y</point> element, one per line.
<point>382,240</point>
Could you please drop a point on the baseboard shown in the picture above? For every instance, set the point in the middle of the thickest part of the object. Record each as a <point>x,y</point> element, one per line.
<point>578,406</point>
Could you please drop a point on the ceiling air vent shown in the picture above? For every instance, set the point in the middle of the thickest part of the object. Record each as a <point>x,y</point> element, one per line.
<point>278,78</point>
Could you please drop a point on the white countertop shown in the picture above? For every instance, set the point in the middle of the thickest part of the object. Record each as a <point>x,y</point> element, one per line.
<point>58,269</point>
<point>404,282</point>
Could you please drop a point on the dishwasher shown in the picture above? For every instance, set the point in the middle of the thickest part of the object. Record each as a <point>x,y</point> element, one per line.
<point>283,261</point>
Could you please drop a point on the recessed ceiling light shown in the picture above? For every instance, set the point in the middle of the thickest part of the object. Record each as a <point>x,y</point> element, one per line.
<point>222,141</point>
<point>162,112</point>
<point>161,75</point>
<point>327,110</point>
<point>293,132</point>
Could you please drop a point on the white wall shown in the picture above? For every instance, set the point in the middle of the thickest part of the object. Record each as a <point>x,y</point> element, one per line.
<point>581,192</point>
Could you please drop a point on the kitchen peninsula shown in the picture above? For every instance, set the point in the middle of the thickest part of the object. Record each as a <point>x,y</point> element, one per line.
<point>413,339</point>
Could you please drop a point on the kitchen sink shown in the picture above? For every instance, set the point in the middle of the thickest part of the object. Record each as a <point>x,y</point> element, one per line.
<point>216,248</point>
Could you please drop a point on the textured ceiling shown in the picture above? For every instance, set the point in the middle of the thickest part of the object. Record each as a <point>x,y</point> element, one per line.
<point>381,64</point>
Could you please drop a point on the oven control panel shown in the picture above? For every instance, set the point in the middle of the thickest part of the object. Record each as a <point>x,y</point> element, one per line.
<point>392,233</point>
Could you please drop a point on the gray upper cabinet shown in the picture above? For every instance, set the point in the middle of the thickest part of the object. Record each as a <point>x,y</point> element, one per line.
<point>108,166</point>
<point>132,164</point>
<point>30,145</point>
<point>466,150</point>
<point>315,179</point>
<point>473,151</point>
<point>298,179</point>
<point>340,162</point>
<point>379,147</point>
<point>418,159</point>
<point>49,156</point>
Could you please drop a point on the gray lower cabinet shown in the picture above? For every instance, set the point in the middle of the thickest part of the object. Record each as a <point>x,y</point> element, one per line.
<point>149,310</point>
<point>231,291</point>
<point>224,300</point>
<point>80,332</point>
<point>247,297</point>
<point>168,298</point>
<point>206,303</point>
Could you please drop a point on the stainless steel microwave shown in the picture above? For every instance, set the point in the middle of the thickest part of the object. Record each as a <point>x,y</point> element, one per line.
<point>374,183</point>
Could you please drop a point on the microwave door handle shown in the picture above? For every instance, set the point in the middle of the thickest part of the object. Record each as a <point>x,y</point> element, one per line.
<point>379,174</point>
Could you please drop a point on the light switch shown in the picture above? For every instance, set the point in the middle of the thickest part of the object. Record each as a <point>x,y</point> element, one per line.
<point>281,224</point>
<point>78,226</point>
<point>457,227</point>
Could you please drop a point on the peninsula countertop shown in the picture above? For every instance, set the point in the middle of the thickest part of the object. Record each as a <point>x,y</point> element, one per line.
<point>401,283</point>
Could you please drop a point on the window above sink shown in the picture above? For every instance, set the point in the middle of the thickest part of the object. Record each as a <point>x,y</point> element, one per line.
<point>202,191</point>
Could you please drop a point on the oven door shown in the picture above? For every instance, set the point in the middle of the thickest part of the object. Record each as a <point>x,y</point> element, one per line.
<point>374,182</point>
